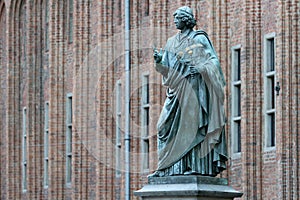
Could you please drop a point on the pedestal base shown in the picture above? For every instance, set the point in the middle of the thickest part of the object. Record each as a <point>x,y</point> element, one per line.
<point>187,188</point>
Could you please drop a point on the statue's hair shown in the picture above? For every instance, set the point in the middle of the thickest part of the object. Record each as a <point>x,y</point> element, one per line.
<point>186,17</point>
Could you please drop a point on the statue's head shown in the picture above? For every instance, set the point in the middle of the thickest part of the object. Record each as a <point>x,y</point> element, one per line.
<point>186,15</point>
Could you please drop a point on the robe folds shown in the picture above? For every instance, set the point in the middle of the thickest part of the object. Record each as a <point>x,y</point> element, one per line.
<point>191,133</point>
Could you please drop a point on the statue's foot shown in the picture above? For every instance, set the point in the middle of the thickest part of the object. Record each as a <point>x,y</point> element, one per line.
<point>155,174</point>
<point>190,172</point>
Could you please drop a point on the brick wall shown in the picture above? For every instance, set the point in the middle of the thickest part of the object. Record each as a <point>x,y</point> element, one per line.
<point>89,66</point>
<point>3,104</point>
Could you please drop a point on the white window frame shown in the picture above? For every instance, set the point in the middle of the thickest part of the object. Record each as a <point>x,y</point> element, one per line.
<point>236,117</point>
<point>118,127</point>
<point>24,149</point>
<point>269,93</point>
<point>69,139</point>
<point>145,120</point>
<point>46,146</point>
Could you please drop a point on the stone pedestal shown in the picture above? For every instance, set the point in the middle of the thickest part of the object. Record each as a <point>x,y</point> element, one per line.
<point>187,188</point>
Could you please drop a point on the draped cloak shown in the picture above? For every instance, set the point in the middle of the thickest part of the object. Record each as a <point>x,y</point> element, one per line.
<point>191,124</point>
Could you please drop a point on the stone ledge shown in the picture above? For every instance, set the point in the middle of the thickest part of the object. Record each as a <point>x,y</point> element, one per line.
<point>188,179</point>
<point>187,187</point>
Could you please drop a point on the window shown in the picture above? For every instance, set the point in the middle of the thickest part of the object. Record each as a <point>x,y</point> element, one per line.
<point>147,7</point>
<point>47,25</point>
<point>69,139</point>
<point>236,99</point>
<point>145,123</point>
<point>118,127</point>
<point>46,146</point>
<point>24,150</point>
<point>119,11</point>
<point>70,20</point>
<point>269,90</point>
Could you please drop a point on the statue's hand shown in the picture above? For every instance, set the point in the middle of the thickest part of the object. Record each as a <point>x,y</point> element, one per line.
<point>157,56</point>
<point>193,70</point>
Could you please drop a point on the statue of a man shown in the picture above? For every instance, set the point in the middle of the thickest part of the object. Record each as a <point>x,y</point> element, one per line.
<point>191,137</point>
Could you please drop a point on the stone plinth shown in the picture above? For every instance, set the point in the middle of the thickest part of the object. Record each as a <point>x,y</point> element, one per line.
<point>187,188</point>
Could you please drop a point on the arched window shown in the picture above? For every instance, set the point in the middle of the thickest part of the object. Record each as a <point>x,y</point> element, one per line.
<point>22,20</point>
<point>3,82</point>
<point>46,21</point>
<point>23,48</point>
<point>70,20</point>
<point>3,56</point>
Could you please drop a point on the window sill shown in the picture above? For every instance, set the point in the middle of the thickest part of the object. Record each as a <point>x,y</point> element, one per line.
<point>269,149</point>
<point>236,156</point>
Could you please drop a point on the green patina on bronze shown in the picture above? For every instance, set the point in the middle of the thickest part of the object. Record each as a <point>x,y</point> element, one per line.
<point>191,137</point>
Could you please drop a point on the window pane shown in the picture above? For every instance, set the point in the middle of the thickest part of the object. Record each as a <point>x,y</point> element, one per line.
<point>69,169</point>
<point>147,117</point>
<point>270,54</point>
<point>146,154</point>
<point>238,100</point>
<point>46,144</point>
<point>69,140</point>
<point>147,7</point>
<point>46,179</point>
<point>236,104</point>
<point>24,177</point>
<point>69,110</point>
<point>272,90</point>
<point>24,149</point>
<point>118,160</point>
<point>46,116</point>
<point>71,11</point>
<point>238,64</point>
<point>237,136</point>
<point>272,129</point>
<point>271,137</point>
<point>47,25</point>
<point>145,90</point>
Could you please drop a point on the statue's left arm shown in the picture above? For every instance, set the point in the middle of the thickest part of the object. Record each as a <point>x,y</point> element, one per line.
<point>209,67</point>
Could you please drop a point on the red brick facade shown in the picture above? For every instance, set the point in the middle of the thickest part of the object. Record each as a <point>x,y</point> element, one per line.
<point>50,49</point>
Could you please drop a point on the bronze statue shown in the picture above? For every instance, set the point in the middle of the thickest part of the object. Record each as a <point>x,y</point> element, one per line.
<point>191,136</point>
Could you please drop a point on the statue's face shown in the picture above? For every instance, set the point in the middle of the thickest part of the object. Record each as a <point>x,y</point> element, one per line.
<point>178,21</point>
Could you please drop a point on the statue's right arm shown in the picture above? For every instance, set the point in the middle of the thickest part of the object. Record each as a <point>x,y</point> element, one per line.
<point>161,65</point>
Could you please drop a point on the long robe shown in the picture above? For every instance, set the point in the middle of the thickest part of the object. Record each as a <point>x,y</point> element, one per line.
<point>191,133</point>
